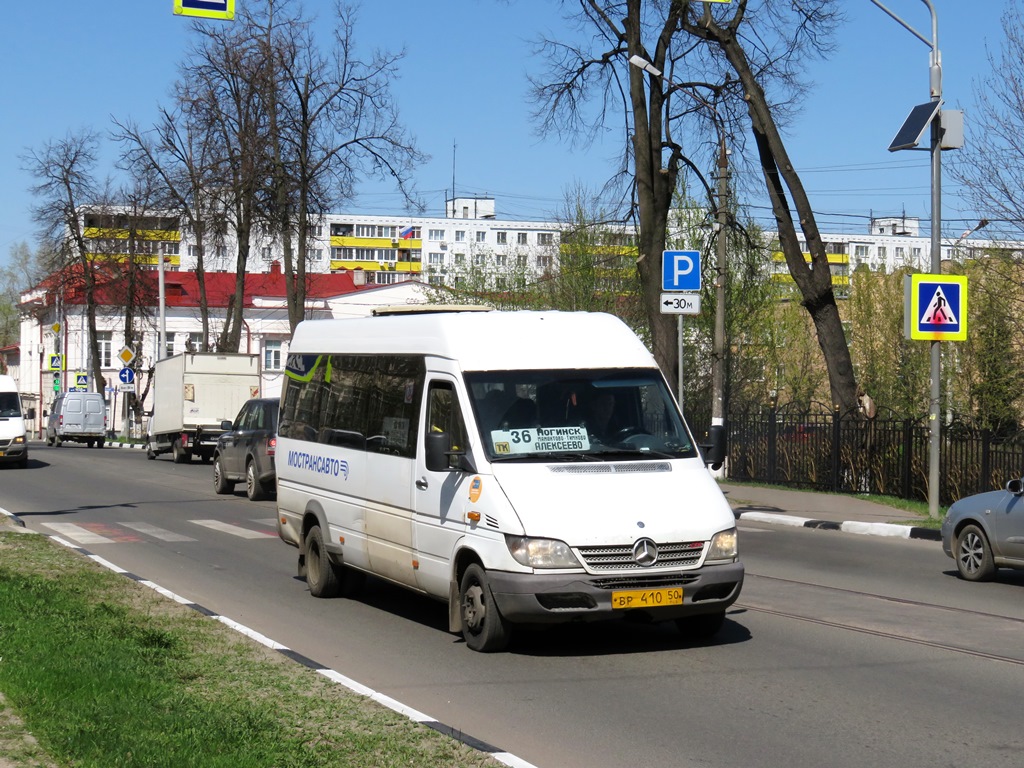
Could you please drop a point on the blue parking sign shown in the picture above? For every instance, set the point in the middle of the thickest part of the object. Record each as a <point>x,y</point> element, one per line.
<point>680,271</point>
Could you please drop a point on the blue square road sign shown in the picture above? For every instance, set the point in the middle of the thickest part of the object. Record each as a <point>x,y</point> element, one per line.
<point>680,271</point>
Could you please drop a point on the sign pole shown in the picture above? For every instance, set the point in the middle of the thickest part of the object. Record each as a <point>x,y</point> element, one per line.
<point>679,331</point>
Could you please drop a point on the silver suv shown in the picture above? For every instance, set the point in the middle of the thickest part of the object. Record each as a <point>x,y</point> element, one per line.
<point>246,450</point>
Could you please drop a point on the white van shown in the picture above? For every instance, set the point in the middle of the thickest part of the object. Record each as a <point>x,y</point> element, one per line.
<point>79,417</point>
<point>525,467</point>
<point>13,437</point>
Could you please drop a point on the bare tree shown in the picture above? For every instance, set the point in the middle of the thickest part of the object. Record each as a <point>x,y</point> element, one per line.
<point>229,71</point>
<point>711,68</point>
<point>65,188</point>
<point>990,166</point>
<point>179,153</point>
<point>334,120</point>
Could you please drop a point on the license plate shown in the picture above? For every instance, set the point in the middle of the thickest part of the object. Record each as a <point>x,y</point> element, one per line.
<point>647,598</point>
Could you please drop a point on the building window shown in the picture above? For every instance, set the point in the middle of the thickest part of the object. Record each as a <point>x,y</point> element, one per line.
<point>479,259</point>
<point>460,258</point>
<point>481,237</point>
<point>501,259</point>
<point>171,248</point>
<point>521,238</point>
<point>314,230</point>
<point>543,261</point>
<point>266,253</point>
<point>373,230</point>
<point>194,343</point>
<point>460,235</point>
<point>436,234</point>
<point>271,355</point>
<point>105,341</point>
<point>881,252</point>
<point>435,259</point>
<point>314,254</point>
<point>545,238</point>
<point>502,238</point>
<point>221,252</point>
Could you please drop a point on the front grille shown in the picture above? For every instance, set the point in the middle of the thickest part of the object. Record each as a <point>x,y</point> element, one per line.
<point>611,468</point>
<point>645,582</point>
<point>682,554</point>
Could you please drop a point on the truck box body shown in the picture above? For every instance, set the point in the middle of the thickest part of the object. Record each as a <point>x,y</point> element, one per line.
<point>192,394</point>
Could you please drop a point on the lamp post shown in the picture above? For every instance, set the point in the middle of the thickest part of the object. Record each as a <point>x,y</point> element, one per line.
<point>935,89</point>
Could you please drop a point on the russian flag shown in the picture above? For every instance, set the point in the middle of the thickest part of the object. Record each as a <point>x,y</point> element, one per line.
<point>407,233</point>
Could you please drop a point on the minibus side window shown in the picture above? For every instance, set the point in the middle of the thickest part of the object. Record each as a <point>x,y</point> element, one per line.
<point>343,418</point>
<point>394,405</point>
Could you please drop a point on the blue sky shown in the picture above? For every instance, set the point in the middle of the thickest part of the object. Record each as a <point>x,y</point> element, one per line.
<point>69,64</point>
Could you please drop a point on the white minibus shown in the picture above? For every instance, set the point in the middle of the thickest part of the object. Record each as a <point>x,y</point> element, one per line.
<point>525,467</point>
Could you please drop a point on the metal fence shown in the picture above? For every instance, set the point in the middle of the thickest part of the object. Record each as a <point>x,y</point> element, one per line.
<point>887,455</point>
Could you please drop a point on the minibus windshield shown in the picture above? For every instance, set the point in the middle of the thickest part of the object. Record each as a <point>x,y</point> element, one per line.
<point>590,414</point>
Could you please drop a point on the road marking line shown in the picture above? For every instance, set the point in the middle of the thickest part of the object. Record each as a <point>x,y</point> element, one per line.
<point>157,533</point>
<point>78,533</point>
<point>234,530</point>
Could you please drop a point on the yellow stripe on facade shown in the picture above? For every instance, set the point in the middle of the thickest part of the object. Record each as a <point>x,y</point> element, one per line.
<point>111,233</point>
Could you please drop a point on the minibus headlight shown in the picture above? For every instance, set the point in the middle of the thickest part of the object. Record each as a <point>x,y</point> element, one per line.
<point>723,546</point>
<point>19,439</point>
<point>541,553</point>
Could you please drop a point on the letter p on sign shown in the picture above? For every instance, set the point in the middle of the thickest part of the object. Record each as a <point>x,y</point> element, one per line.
<point>680,271</point>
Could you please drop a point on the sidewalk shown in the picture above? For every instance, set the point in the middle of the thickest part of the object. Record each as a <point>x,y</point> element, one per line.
<point>823,510</point>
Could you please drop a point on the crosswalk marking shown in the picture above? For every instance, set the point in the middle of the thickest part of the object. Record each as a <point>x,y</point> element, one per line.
<point>78,533</point>
<point>157,533</point>
<point>234,530</point>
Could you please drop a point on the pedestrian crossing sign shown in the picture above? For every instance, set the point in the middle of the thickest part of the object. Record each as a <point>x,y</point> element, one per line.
<point>935,307</point>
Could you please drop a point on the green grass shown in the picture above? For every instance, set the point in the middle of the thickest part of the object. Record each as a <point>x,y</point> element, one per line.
<point>104,672</point>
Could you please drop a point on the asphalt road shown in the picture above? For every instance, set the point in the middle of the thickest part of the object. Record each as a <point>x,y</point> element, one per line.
<point>843,650</point>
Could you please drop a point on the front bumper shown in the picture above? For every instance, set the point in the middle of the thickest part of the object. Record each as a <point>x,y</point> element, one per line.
<point>558,598</point>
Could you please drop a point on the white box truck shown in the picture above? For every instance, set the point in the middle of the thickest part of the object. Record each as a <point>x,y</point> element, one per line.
<point>192,394</point>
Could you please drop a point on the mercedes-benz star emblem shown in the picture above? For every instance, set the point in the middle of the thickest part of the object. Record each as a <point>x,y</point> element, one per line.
<point>645,552</point>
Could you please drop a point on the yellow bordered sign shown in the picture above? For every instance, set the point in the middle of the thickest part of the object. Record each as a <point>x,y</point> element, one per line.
<point>935,307</point>
<point>205,9</point>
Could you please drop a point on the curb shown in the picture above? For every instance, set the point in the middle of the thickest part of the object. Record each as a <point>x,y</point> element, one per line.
<point>849,526</point>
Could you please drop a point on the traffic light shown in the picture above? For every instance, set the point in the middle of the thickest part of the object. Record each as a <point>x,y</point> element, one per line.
<point>56,381</point>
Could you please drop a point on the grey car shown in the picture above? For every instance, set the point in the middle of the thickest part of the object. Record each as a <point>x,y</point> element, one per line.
<point>246,450</point>
<point>986,531</point>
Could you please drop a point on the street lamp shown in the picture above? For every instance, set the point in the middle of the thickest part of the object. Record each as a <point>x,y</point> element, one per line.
<point>933,116</point>
<point>717,435</point>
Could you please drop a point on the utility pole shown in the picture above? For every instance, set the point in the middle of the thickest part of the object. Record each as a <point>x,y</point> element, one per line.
<point>718,363</point>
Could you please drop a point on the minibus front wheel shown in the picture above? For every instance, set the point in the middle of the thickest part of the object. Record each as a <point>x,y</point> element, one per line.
<point>483,627</point>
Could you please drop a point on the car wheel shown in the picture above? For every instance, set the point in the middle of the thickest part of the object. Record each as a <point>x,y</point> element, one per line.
<point>483,627</point>
<point>321,575</point>
<point>220,483</point>
<point>100,443</point>
<point>974,555</point>
<point>181,456</point>
<point>253,487</point>
<point>90,443</point>
<point>57,441</point>
<point>150,453</point>
<point>49,440</point>
<point>703,626</point>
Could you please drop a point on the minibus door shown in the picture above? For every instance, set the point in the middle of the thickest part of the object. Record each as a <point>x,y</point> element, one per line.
<point>442,484</point>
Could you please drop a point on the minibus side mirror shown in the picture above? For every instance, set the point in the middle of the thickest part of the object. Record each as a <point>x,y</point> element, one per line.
<point>715,449</point>
<point>441,458</point>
